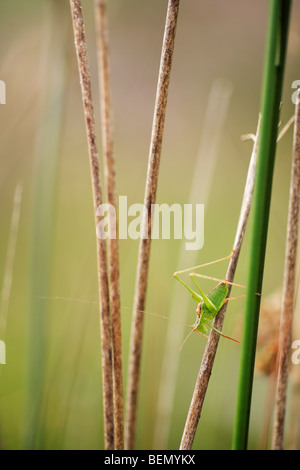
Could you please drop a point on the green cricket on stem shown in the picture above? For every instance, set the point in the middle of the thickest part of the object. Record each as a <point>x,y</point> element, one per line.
<point>208,305</point>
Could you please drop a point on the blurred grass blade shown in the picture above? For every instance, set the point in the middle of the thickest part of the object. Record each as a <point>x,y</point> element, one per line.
<point>271,96</point>
<point>8,271</point>
<point>47,149</point>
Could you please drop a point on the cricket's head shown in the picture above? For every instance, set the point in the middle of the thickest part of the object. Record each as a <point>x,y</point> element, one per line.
<point>199,309</point>
<point>196,324</point>
<point>198,313</point>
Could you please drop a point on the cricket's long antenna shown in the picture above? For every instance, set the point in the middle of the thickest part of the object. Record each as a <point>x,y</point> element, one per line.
<point>85,301</point>
<point>123,308</point>
<point>189,334</point>
<point>162,316</point>
<point>186,338</point>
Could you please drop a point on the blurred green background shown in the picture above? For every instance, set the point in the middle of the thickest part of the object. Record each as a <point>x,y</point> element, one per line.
<point>50,388</point>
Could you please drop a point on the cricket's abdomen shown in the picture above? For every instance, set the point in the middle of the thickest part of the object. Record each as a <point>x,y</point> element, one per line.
<point>217,297</point>
<point>219,294</point>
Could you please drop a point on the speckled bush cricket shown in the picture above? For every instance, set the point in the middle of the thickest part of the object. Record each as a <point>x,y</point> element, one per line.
<point>208,305</point>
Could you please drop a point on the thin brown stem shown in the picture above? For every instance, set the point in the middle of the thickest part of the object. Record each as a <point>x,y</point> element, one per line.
<point>213,339</point>
<point>105,321</point>
<point>287,308</point>
<point>150,195</point>
<point>109,167</point>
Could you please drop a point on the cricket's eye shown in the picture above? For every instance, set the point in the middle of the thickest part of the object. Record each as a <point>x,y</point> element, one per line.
<point>198,310</point>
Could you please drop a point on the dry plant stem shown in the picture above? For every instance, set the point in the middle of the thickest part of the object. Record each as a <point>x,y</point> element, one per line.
<point>150,194</point>
<point>105,321</point>
<point>109,167</point>
<point>287,307</point>
<point>213,339</point>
